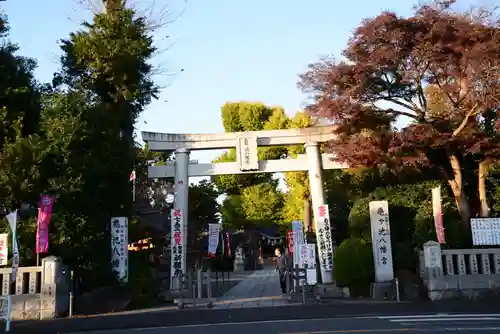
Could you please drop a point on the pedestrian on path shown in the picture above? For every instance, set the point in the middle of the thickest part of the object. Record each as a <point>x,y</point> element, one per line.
<point>282,267</point>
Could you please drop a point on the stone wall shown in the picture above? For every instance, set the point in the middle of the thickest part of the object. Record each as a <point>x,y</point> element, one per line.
<point>40,292</point>
<point>455,273</point>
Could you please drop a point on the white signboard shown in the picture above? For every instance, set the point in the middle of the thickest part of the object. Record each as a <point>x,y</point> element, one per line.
<point>308,259</point>
<point>381,241</point>
<point>485,231</point>
<point>248,154</point>
<point>324,238</point>
<point>178,249</point>
<point>119,247</point>
<point>4,249</point>
<point>213,238</point>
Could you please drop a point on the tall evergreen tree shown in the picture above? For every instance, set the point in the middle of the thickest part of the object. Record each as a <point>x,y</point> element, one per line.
<point>19,124</point>
<point>105,82</point>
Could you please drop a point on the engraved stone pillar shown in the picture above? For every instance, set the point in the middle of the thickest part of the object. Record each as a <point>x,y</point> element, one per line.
<point>54,295</point>
<point>433,263</point>
<point>181,203</point>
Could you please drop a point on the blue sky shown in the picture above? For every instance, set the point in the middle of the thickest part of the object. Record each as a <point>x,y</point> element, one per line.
<point>230,50</point>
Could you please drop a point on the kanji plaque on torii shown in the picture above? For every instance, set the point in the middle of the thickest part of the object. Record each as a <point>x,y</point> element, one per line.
<point>247,153</point>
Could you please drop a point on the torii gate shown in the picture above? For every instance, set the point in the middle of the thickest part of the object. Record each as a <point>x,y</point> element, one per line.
<point>246,144</point>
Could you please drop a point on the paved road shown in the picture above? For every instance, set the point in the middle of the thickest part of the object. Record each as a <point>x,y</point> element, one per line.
<point>338,316</point>
<point>429,323</point>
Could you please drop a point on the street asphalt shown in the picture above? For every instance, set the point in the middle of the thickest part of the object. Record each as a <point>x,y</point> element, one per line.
<point>338,317</point>
<point>429,323</point>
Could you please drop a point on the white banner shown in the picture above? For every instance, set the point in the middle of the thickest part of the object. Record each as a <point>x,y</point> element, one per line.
<point>4,249</point>
<point>438,214</point>
<point>324,237</point>
<point>381,241</point>
<point>12,219</point>
<point>178,248</point>
<point>213,238</point>
<point>119,247</point>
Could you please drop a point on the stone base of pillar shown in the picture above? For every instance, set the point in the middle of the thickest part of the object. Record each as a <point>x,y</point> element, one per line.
<point>382,291</point>
<point>326,276</point>
<point>325,291</point>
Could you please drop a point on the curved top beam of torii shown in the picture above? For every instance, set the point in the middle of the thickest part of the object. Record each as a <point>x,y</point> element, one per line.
<point>158,141</point>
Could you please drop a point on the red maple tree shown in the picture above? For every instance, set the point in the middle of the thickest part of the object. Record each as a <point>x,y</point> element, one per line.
<point>390,61</point>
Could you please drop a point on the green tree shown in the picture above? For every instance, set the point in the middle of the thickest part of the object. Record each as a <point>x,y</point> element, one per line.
<point>354,266</point>
<point>262,204</point>
<point>389,59</point>
<point>297,182</point>
<point>102,87</point>
<point>245,190</point>
<point>21,148</point>
<point>203,209</point>
<point>493,184</point>
<point>232,212</point>
<point>237,117</point>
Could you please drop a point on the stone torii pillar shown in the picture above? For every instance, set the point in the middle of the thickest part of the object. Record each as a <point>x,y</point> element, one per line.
<point>181,196</point>
<point>317,191</point>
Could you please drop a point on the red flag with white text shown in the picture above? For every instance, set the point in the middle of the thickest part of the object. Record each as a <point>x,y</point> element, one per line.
<point>44,215</point>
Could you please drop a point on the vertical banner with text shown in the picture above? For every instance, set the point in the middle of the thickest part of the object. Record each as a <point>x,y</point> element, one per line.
<point>438,214</point>
<point>44,215</point>
<point>177,249</point>
<point>12,219</point>
<point>228,244</point>
<point>4,249</point>
<point>290,242</point>
<point>381,241</point>
<point>298,241</point>
<point>213,238</point>
<point>119,247</point>
<point>324,238</point>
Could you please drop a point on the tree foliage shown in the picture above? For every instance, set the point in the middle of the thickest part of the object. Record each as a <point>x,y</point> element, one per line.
<point>203,208</point>
<point>244,192</point>
<point>389,61</point>
<point>297,183</point>
<point>356,275</point>
<point>74,139</point>
<point>103,85</point>
<point>245,116</point>
<point>20,144</point>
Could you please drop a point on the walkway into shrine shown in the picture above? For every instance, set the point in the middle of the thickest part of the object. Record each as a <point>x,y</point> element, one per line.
<point>260,289</point>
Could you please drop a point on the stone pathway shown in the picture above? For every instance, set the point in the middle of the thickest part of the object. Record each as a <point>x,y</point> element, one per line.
<point>260,289</point>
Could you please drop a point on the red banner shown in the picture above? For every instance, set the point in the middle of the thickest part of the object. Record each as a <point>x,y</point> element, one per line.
<point>290,242</point>
<point>44,215</point>
<point>228,244</point>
